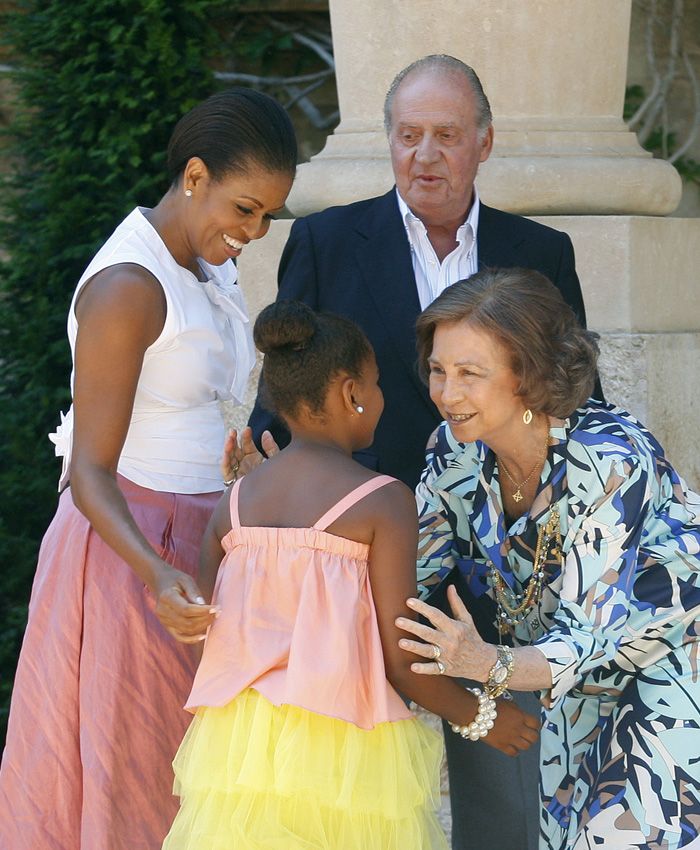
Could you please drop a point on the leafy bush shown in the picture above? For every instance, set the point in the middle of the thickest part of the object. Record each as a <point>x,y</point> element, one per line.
<point>99,86</point>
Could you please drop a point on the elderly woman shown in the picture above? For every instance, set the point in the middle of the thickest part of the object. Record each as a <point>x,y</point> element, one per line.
<point>565,516</point>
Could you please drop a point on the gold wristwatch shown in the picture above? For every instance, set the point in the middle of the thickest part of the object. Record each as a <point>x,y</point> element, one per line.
<point>500,673</point>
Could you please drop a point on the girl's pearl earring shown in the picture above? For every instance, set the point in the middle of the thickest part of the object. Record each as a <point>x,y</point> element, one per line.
<point>188,193</point>
<point>359,408</point>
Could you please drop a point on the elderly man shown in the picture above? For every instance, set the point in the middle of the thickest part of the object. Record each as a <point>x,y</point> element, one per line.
<point>380,262</point>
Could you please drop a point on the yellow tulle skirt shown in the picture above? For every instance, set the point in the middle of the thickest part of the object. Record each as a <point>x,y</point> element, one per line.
<point>254,776</point>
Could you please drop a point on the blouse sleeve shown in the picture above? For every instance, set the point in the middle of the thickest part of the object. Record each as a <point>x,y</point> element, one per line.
<point>435,535</point>
<point>597,575</point>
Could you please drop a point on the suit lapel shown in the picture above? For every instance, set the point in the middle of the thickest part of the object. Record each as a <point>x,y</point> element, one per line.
<point>497,245</point>
<point>384,256</point>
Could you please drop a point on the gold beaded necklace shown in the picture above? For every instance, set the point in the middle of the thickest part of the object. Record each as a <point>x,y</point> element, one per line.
<point>517,495</point>
<point>513,608</point>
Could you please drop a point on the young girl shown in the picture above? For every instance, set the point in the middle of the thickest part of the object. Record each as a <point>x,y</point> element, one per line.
<point>300,739</point>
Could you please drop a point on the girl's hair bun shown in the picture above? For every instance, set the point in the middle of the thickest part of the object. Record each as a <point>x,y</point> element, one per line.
<point>284,326</point>
<point>304,351</point>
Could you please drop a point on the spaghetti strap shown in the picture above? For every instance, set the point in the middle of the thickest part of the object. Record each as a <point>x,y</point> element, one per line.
<point>233,504</point>
<point>350,499</point>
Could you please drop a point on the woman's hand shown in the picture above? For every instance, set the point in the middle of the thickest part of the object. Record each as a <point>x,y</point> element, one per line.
<point>241,456</point>
<point>180,606</point>
<point>462,652</point>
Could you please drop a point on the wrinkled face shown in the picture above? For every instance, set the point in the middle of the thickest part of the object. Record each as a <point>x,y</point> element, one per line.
<point>473,385</point>
<point>435,145</point>
<point>224,215</point>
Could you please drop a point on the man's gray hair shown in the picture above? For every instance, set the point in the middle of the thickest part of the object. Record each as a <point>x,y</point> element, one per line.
<point>442,62</point>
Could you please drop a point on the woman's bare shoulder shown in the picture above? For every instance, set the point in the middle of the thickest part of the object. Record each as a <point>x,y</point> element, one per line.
<point>126,295</point>
<point>122,286</point>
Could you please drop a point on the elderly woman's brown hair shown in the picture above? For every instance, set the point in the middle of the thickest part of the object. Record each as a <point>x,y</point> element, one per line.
<point>552,356</point>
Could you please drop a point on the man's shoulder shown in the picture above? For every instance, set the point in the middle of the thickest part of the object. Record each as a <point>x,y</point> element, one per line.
<point>506,222</point>
<point>343,214</point>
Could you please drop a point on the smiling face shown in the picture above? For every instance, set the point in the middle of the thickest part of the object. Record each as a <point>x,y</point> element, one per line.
<point>224,215</point>
<point>436,146</point>
<point>473,385</point>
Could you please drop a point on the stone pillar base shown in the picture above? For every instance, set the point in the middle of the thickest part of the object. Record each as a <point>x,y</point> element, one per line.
<point>530,172</point>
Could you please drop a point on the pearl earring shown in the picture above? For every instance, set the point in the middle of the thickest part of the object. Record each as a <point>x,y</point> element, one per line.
<point>188,193</point>
<point>527,416</point>
<point>359,408</point>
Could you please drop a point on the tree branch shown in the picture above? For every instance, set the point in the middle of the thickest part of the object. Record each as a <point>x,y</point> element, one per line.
<point>306,40</point>
<point>312,113</point>
<point>695,126</point>
<point>254,79</point>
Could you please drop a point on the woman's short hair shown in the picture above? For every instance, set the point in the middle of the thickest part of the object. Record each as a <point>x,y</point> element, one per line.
<point>553,357</point>
<point>304,351</point>
<point>233,131</point>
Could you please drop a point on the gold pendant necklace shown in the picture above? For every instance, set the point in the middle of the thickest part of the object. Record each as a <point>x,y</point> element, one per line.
<point>517,495</point>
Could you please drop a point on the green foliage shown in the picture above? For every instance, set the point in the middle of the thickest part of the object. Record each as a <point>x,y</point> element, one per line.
<point>661,143</point>
<point>261,44</point>
<point>99,86</point>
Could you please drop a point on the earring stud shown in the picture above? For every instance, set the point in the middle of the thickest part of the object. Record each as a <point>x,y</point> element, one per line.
<point>359,408</point>
<point>188,193</point>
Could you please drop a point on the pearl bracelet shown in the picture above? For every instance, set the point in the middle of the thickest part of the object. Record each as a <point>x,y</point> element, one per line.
<point>483,722</point>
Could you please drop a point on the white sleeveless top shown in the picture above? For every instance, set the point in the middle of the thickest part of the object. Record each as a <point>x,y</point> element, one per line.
<point>204,355</point>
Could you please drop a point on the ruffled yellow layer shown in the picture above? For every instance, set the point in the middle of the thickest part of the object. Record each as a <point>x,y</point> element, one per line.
<point>253,776</point>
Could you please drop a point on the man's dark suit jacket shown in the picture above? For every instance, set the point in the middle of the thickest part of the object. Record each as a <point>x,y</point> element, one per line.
<point>355,260</point>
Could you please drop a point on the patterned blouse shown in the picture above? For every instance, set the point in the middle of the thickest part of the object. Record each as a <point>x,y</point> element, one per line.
<point>621,604</point>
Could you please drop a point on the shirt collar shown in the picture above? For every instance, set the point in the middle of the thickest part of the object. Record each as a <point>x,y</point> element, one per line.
<point>414,225</point>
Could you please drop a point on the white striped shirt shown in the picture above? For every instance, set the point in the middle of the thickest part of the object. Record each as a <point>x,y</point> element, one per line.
<point>433,276</point>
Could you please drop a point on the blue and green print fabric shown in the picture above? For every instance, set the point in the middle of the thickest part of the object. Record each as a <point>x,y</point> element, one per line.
<point>617,620</point>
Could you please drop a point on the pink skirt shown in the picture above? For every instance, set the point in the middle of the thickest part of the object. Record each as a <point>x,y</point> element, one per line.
<point>96,715</point>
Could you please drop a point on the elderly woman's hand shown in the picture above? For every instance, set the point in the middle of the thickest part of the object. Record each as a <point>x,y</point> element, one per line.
<point>453,647</point>
<point>241,456</point>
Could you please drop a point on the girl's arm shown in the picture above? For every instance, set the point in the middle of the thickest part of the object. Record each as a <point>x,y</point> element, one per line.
<point>120,313</point>
<point>211,551</point>
<point>392,564</point>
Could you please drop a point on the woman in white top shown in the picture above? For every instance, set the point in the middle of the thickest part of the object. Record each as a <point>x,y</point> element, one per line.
<point>160,336</point>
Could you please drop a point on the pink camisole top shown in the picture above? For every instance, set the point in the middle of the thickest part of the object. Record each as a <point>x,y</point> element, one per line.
<point>298,622</point>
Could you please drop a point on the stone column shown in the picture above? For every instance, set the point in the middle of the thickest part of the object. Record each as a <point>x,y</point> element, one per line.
<point>554,72</point>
